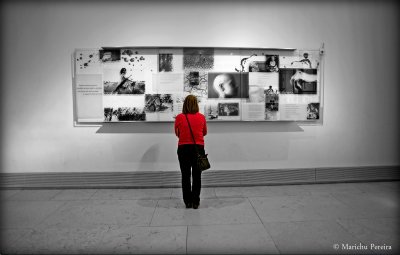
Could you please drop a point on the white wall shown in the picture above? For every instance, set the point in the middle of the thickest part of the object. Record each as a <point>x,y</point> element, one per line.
<point>361,122</point>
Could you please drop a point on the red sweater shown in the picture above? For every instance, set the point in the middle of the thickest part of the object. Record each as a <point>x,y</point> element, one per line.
<point>198,125</point>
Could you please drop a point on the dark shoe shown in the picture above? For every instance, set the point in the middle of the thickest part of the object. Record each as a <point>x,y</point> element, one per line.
<point>195,206</point>
<point>189,205</point>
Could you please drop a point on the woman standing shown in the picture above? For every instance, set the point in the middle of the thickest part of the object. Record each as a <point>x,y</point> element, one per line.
<point>187,149</point>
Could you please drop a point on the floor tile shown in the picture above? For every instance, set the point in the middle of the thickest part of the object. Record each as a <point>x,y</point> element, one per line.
<point>378,187</point>
<point>35,195</point>
<point>311,237</point>
<point>394,185</point>
<point>172,212</point>
<point>97,212</point>
<point>256,191</point>
<point>103,240</point>
<point>60,241</point>
<point>8,237</point>
<point>130,194</point>
<point>371,205</point>
<point>313,217</point>
<point>299,208</point>
<point>287,190</point>
<point>26,214</point>
<point>140,240</point>
<point>275,190</point>
<point>74,194</point>
<point>7,193</point>
<point>204,193</point>
<point>230,239</point>
<point>222,192</point>
<point>376,232</point>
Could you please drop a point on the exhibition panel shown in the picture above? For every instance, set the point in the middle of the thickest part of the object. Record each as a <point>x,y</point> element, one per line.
<point>136,84</point>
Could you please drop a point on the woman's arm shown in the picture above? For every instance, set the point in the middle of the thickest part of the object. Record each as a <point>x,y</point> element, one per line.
<point>205,127</point>
<point>176,126</point>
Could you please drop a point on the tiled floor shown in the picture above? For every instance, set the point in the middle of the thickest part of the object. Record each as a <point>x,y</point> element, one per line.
<point>354,218</point>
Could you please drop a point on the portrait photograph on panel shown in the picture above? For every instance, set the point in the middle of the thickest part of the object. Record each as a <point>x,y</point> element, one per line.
<point>193,78</point>
<point>110,55</point>
<point>298,81</point>
<point>165,62</point>
<point>313,111</point>
<point>228,85</point>
<point>272,63</point>
<point>118,81</point>
<point>124,114</point>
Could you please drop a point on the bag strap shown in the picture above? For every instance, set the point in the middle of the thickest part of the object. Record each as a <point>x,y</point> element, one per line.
<point>191,132</point>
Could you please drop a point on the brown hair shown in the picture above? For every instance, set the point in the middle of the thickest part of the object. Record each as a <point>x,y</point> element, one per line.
<point>190,105</point>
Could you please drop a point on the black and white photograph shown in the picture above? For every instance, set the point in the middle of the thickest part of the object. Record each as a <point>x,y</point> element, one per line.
<point>272,102</point>
<point>271,115</point>
<point>120,82</point>
<point>124,114</point>
<point>198,58</point>
<point>196,83</point>
<point>307,60</point>
<point>313,111</point>
<point>302,59</point>
<point>272,63</point>
<point>263,63</point>
<point>110,55</point>
<point>158,103</point>
<point>165,62</point>
<point>256,62</point>
<point>211,110</point>
<point>193,78</point>
<point>298,81</point>
<point>228,109</point>
<point>228,85</point>
<point>258,66</point>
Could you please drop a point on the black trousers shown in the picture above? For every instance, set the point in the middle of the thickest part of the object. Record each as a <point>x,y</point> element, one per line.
<point>187,162</point>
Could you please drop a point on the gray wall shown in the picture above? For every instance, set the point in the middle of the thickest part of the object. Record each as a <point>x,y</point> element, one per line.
<point>361,120</point>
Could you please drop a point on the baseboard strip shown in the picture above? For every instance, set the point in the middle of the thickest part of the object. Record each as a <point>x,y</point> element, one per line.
<point>210,178</point>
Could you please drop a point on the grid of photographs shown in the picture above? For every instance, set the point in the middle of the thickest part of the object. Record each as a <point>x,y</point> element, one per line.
<point>150,84</point>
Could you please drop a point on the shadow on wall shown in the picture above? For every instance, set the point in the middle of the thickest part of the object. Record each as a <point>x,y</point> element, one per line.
<point>226,127</point>
<point>150,156</point>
